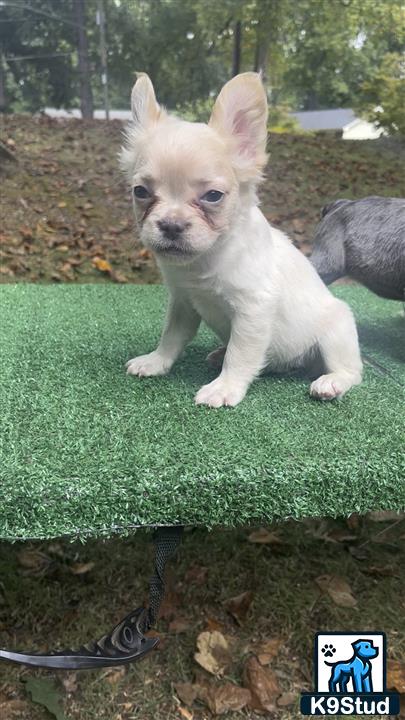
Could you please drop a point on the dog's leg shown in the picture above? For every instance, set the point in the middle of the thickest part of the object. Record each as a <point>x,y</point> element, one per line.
<point>181,325</point>
<point>245,357</point>
<point>367,684</point>
<point>215,358</point>
<point>340,352</point>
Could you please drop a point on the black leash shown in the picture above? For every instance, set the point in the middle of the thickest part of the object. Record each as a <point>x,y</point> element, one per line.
<point>127,642</point>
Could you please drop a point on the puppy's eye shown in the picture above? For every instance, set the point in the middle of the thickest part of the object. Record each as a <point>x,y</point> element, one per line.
<point>213,196</point>
<point>141,193</point>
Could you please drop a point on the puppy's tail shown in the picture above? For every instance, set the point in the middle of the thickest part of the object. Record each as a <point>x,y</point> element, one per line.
<point>330,207</point>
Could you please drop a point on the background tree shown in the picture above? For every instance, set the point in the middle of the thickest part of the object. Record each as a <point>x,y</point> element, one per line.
<point>85,91</point>
<point>312,54</point>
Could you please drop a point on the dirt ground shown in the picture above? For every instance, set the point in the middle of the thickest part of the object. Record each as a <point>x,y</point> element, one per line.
<point>261,594</point>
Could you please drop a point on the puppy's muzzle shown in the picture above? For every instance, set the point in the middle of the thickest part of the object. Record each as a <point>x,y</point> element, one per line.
<point>172,229</point>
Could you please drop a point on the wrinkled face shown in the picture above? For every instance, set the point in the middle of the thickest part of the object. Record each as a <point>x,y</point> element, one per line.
<point>189,180</point>
<point>184,189</point>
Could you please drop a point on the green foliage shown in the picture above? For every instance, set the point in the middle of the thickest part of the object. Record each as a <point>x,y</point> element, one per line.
<point>312,54</point>
<point>281,121</point>
<point>383,95</point>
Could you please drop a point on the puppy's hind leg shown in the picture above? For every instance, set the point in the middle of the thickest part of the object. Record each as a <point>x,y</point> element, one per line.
<point>339,348</point>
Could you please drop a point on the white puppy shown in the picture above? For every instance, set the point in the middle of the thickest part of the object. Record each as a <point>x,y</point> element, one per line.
<point>194,188</point>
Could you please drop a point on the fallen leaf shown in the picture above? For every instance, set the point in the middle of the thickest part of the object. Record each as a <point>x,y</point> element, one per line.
<point>102,265</point>
<point>81,568</point>
<point>263,685</point>
<point>118,277</point>
<point>185,713</point>
<point>4,270</point>
<point>396,675</point>
<point>266,651</point>
<point>227,697</point>
<point>213,624</point>
<point>186,692</point>
<point>115,675</point>
<point>239,606</point>
<point>286,699</point>
<point>61,204</point>
<point>170,605</point>
<point>196,575</point>
<point>264,537</point>
<point>26,233</point>
<point>34,560</point>
<point>213,652</point>
<point>44,691</point>
<point>380,571</point>
<point>179,625</point>
<point>338,590</point>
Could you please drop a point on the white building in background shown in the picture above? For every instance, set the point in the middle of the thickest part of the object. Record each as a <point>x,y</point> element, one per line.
<point>98,114</point>
<point>352,127</point>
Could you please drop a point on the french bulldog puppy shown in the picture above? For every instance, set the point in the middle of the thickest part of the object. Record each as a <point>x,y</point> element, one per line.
<point>364,239</point>
<point>194,191</point>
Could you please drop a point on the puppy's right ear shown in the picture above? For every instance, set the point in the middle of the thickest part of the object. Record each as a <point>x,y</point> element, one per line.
<point>145,109</point>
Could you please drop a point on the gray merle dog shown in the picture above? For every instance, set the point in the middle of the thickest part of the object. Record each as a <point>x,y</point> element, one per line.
<point>364,239</point>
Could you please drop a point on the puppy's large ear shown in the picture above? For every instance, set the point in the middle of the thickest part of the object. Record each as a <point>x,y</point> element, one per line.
<point>240,113</point>
<point>145,109</point>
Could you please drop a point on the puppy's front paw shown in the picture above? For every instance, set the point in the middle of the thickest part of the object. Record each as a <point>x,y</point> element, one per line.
<point>148,365</point>
<point>326,387</point>
<point>220,392</point>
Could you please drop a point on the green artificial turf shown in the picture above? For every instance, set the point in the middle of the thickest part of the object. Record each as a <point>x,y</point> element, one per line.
<point>87,449</point>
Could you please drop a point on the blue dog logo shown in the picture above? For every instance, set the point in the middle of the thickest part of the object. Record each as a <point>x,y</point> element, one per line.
<point>358,669</point>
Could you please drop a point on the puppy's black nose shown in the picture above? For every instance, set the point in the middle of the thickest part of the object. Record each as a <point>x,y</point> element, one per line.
<point>171,229</point>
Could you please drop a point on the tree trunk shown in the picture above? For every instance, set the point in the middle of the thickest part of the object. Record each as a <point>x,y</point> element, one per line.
<point>237,48</point>
<point>261,58</point>
<point>86,95</point>
<point>3,99</point>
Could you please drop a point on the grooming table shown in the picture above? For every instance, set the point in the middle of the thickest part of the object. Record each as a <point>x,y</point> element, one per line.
<point>89,451</point>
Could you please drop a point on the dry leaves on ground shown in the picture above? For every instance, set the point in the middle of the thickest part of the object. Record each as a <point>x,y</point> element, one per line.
<point>196,575</point>
<point>396,675</point>
<point>287,699</point>
<point>213,652</point>
<point>186,714</point>
<point>338,590</point>
<point>263,685</point>
<point>267,650</point>
<point>264,537</point>
<point>239,606</point>
<point>220,698</point>
<point>81,568</point>
<point>33,561</point>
